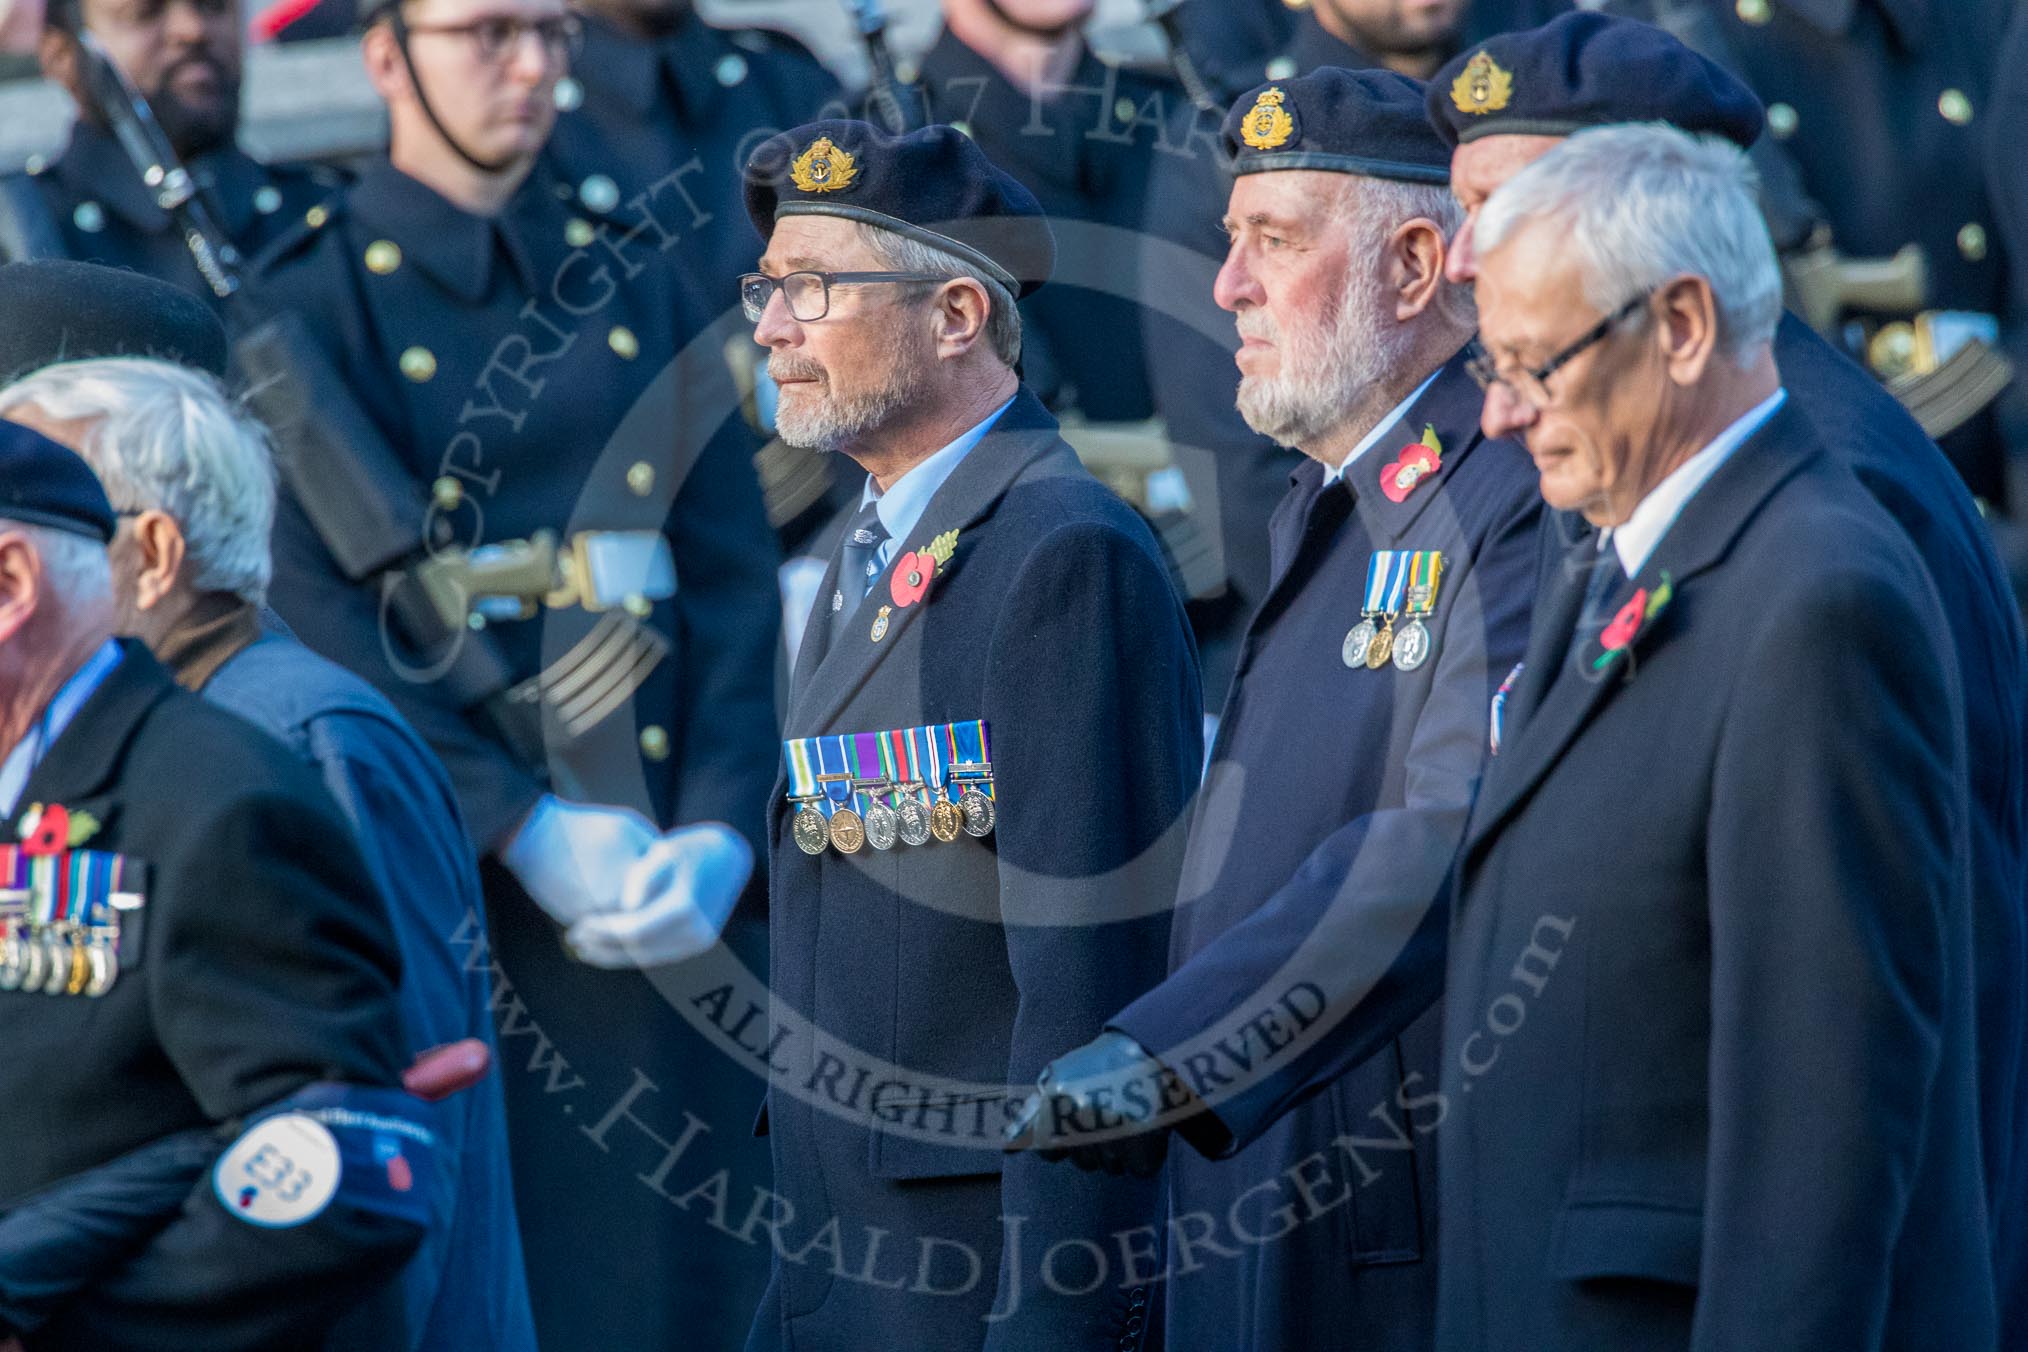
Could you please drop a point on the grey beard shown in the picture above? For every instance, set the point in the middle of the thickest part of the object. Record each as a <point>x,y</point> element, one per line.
<point>835,421</point>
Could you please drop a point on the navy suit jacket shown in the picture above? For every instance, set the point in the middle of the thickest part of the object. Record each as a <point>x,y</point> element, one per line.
<point>1709,1073</point>
<point>978,961</point>
<point>1334,804</point>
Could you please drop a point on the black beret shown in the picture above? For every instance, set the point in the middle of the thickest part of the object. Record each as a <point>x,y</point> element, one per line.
<point>1369,122</point>
<point>1588,70</point>
<point>58,310</point>
<point>932,185</point>
<point>44,484</point>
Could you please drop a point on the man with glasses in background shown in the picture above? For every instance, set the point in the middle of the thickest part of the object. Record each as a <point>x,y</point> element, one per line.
<point>89,202</point>
<point>540,381</point>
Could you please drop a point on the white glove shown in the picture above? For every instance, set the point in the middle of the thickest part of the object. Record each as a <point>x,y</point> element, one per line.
<point>573,857</point>
<point>675,901</point>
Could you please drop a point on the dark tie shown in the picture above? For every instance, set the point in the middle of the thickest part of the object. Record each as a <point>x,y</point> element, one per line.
<point>858,565</point>
<point>1606,578</point>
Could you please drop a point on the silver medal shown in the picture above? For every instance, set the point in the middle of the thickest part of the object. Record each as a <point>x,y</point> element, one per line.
<point>979,814</point>
<point>1356,644</point>
<point>58,974</point>
<point>812,832</point>
<point>914,820</point>
<point>105,968</point>
<point>883,826</point>
<point>1411,646</point>
<point>12,958</point>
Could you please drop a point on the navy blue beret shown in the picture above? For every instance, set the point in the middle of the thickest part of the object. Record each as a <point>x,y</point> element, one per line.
<point>44,484</point>
<point>1588,70</point>
<point>932,185</point>
<point>59,310</point>
<point>1369,122</point>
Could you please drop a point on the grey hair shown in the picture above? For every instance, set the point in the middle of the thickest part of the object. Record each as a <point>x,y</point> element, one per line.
<point>75,567</point>
<point>903,254</point>
<point>1641,204</point>
<point>166,437</point>
<point>1380,206</point>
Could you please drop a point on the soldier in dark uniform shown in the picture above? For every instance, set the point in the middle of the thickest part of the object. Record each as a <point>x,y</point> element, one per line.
<point>191,944</point>
<point>997,696</point>
<point>89,203</point>
<point>658,92</point>
<point>546,380</point>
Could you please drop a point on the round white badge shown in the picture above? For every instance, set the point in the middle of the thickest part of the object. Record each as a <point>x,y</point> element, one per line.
<point>281,1172</point>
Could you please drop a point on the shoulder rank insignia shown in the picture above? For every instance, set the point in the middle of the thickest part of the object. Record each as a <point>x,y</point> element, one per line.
<point>914,572</point>
<point>1417,461</point>
<point>54,829</point>
<point>1268,125</point>
<point>824,168</point>
<point>1482,86</point>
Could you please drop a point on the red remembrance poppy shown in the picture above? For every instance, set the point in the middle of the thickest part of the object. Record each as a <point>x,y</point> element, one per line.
<point>51,834</point>
<point>1416,463</point>
<point>913,573</point>
<point>1626,624</point>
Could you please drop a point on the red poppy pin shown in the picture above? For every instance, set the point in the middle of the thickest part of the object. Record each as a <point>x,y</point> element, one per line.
<point>54,829</point>
<point>914,571</point>
<point>1418,461</point>
<point>1618,637</point>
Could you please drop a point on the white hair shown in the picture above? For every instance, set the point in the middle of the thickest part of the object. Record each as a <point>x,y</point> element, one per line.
<point>1383,205</point>
<point>902,254</point>
<point>166,437</point>
<point>75,567</point>
<point>1641,204</point>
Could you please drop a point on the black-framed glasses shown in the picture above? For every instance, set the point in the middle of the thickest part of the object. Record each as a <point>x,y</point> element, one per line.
<point>1532,384</point>
<point>496,37</point>
<point>808,294</point>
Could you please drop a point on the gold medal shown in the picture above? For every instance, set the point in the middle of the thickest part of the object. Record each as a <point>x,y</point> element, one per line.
<point>1382,647</point>
<point>848,832</point>
<point>947,823</point>
<point>80,968</point>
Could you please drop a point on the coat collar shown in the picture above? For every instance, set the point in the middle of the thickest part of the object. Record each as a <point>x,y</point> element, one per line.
<point>1451,406</point>
<point>85,759</point>
<point>96,168</point>
<point>1310,47</point>
<point>1026,437</point>
<point>1702,536</point>
<point>456,248</point>
<point>639,72</point>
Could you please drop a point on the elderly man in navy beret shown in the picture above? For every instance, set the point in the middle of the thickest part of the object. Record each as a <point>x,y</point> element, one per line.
<point>1510,101</point>
<point>993,736</point>
<point>1348,752</point>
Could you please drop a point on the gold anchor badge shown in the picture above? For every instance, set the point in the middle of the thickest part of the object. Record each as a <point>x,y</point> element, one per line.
<point>1267,125</point>
<point>824,168</point>
<point>1482,87</point>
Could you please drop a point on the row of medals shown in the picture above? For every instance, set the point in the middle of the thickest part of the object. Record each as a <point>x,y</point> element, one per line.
<point>918,821</point>
<point>58,960</point>
<point>1371,645</point>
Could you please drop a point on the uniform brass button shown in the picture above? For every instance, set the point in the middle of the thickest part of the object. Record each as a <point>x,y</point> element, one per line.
<point>622,341</point>
<point>34,165</point>
<point>1781,121</point>
<point>730,70</point>
<point>654,743</point>
<point>419,364</point>
<point>637,605</point>
<point>89,217</point>
<point>1955,107</point>
<point>1972,243</point>
<point>578,232</point>
<point>1753,11</point>
<point>1124,110</point>
<point>268,199</point>
<point>315,217</point>
<point>447,493</point>
<point>599,193</point>
<point>383,256</point>
<point>569,94</point>
<point>1891,353</point>
<point>641,478</point>
<point>475,621</point>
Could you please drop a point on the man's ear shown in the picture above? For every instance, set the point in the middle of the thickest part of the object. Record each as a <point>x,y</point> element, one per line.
<point>962,308</point>
<point>56,52</point>
<point>1413,264</point>
<point>381,55</point>
<point>159,546</point>
<point>1686,328</point>
<point>20,583</point>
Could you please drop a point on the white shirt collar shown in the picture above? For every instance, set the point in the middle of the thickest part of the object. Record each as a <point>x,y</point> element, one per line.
<point>50,723</point>
<point>1635,538</point>
<point>902,506</point>
<point>1333,473</point>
